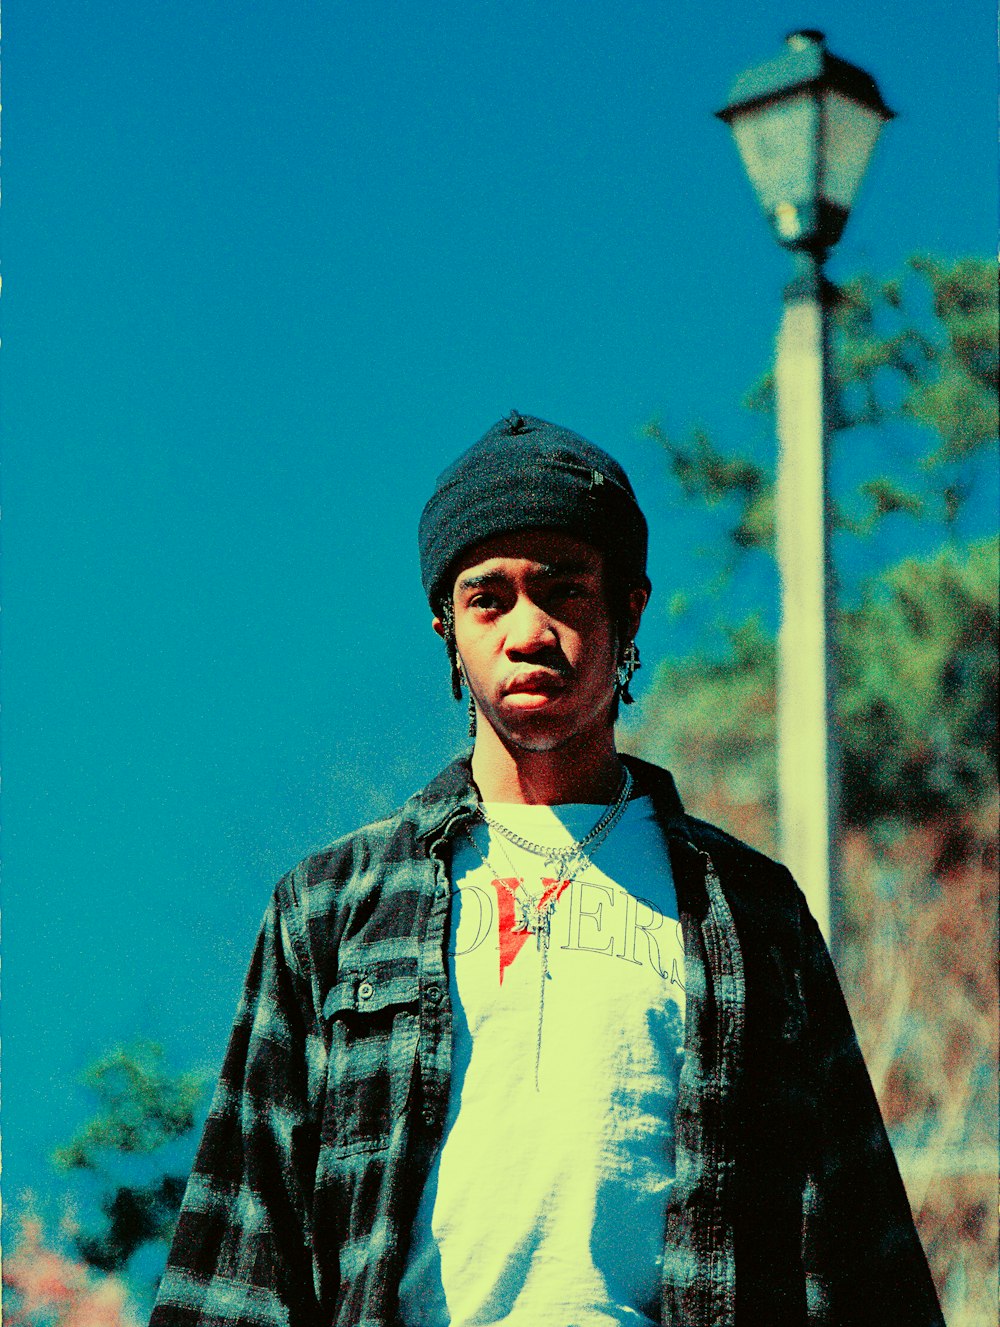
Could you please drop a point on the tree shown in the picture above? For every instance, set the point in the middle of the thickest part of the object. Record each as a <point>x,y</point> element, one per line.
<point>918,689</point>
<point>916,640</point>
<point>915,356</point>
<point>142,1110</point>
<point>917,663</point>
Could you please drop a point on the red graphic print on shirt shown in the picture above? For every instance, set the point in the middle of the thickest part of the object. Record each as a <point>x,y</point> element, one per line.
<point>512,936</point>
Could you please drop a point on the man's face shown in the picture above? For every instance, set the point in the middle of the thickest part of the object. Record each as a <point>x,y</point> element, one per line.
<point>534,633</point>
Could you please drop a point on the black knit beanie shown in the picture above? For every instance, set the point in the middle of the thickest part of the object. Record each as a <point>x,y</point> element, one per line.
<point>525,473</point>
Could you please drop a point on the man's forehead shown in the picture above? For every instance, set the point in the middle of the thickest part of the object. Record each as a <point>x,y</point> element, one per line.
<point>538,553</point>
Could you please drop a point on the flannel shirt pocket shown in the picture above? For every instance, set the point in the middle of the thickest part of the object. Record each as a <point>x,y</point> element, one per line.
<point>373,1021</point>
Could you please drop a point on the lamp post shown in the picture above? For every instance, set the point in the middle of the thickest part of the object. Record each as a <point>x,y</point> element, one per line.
<point>806,124</point>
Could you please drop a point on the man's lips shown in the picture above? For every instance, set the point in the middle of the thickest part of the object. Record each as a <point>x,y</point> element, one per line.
<point>537,682</point>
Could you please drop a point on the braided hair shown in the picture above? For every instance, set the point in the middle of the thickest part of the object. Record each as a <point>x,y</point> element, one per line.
<point>446,613</point>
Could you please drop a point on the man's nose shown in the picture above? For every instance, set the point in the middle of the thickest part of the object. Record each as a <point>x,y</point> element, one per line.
<point>529,628</point>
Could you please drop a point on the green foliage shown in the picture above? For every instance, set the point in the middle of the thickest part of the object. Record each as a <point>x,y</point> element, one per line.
<point>917,651</point>
<point>951,374</point>
<point>917,701</point>
<point>919,348</point>
<point>887,498</point>
<point>142,1109</point>
<point>916,357</point>
<point>706,473</point>
<point>918,688</point>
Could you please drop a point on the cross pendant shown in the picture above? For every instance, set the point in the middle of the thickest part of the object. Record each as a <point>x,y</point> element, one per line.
<point>528,914</point>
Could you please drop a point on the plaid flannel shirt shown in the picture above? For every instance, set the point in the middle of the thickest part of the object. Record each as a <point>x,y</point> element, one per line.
<point>787,1205</point>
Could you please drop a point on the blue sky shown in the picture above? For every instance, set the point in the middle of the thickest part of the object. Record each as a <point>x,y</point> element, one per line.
<point>269,268</point>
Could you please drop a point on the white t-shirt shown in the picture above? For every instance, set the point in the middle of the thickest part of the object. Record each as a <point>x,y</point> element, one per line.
<point>546,1204</point>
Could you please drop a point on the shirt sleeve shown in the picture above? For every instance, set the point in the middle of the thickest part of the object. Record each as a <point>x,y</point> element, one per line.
<point>863,1259</point>
<point>241,1252</point>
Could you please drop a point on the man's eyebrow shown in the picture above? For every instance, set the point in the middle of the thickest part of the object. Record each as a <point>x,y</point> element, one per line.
<point>544,571</point>
<point>566,567</point>
<point>477,582</point>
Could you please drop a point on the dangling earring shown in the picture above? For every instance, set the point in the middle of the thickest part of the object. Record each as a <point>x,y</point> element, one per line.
<point>628,666</point>
<point>472,717</point>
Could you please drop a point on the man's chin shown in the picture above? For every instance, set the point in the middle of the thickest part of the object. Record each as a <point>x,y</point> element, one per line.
<point>535,730</point>
<point>538,742</point>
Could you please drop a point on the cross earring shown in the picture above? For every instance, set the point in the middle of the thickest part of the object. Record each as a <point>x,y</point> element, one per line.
<point>628,666</point>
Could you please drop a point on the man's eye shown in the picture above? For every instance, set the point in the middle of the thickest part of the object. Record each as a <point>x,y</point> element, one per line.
<point>484,603</point>
<point>568,591</point>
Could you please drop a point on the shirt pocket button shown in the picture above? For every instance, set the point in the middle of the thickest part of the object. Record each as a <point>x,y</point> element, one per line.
<point>366,990</point>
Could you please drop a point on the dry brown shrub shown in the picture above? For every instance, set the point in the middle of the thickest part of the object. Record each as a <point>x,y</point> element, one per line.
<point>918,961</point>
<point>44,1286</point>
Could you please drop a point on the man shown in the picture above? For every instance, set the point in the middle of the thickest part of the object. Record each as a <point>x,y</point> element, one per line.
<point>540,1049</point>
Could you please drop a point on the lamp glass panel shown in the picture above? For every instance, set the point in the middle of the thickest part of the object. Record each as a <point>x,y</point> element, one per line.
<point>777,143</point>
<point>850,132</point>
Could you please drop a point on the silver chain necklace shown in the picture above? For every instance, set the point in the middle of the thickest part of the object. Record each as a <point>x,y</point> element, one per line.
<point>566,859</point>
<point>533,912</point>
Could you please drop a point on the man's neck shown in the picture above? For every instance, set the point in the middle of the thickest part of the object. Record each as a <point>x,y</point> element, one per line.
<point>586,769</point>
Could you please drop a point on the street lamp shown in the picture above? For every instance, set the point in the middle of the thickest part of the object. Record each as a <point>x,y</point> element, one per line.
<point>806,124</point>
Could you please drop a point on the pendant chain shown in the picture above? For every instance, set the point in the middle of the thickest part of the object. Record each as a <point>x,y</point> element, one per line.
<point>532,911</point>
<point>565,858</point>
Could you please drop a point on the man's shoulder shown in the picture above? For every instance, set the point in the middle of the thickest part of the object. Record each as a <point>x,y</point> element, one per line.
<point>376,843</point>
<point>747,875</point>
<point>731,854</point>
<point>395,840</point>
<point>714,840</point>
<point>767,906</point>
<point>366,888</point>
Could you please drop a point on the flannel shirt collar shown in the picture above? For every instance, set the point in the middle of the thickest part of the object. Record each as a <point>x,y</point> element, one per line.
<point>451,797</point>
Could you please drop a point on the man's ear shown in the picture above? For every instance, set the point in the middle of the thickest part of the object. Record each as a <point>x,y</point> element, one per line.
<point>438,626</point>
<point>638,598</point>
